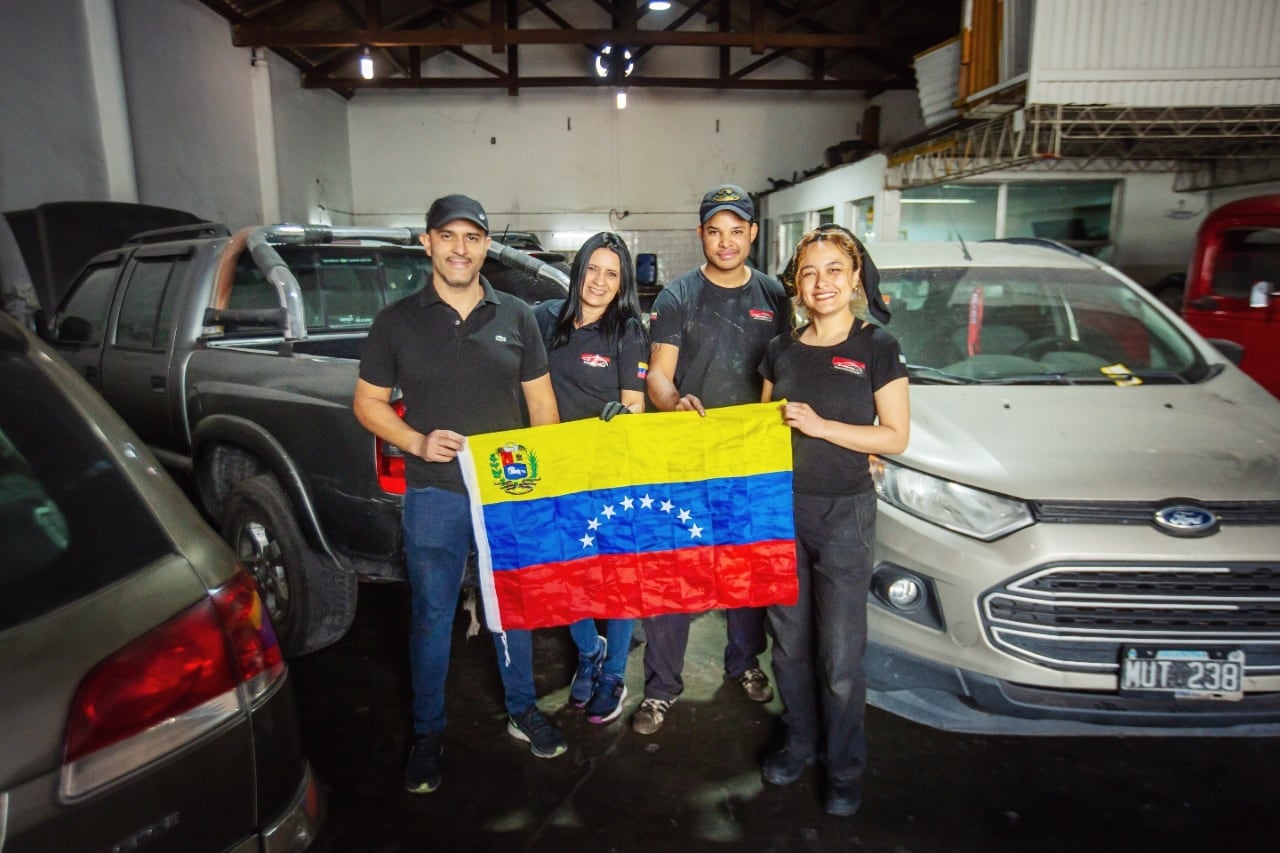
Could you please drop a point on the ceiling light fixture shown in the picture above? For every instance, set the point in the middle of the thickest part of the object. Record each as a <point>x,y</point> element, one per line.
<point>659,5</point>
<point>621,99</point>
<point>604,62</point>
<point>366,65</point>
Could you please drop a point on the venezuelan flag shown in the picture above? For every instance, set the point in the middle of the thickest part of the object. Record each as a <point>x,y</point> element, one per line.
<point>665,512</point>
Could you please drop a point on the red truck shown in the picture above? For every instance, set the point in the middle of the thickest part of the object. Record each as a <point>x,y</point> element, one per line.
<point>1233,283</point>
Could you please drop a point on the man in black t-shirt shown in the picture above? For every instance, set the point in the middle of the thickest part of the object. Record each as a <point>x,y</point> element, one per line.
<point>709,330</point>
<point>466,358</point>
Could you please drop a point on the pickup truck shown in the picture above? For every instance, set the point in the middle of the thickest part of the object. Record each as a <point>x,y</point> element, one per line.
<point>235,356</point>
<point>1233,284</point>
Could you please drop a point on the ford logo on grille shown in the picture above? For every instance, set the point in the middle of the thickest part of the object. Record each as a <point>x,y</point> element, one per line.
<point>1183,520</point>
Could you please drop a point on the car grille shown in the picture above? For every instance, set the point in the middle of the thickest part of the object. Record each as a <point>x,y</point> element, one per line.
<point>1142,512</point>
<point>1078,617</point>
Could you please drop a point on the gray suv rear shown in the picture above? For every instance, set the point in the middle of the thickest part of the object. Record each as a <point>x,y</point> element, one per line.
<point>146,703</point>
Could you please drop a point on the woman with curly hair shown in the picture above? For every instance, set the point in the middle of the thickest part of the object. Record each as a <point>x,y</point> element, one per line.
<point>844,383</point>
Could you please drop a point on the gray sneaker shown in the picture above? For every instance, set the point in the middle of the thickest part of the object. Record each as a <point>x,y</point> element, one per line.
<point>544,739</point>
<point>650,715</point>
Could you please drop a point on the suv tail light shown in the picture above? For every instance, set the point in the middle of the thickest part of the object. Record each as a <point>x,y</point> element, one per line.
<point>390,460</point>
<point>171,686</point>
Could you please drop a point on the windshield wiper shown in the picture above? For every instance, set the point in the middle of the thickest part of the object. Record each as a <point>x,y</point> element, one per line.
<point>1163,377</point>
<point>934,376</point>
<point>1046,379</point>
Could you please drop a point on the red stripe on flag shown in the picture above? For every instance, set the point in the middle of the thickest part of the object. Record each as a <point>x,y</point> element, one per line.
<point>622,586</point>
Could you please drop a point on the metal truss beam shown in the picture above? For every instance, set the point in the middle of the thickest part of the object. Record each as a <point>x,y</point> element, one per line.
<point>1092,138</point>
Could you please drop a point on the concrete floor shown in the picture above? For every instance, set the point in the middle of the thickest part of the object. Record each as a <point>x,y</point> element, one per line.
<point>696,784</point>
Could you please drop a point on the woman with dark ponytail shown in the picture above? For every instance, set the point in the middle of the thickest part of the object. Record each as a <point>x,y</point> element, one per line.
<point>599,352</point>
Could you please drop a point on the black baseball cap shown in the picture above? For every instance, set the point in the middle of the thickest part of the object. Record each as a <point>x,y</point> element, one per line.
<point>727,197</point>
<point>448,208</point>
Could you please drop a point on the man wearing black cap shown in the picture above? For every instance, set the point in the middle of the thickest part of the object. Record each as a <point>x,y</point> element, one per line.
<point>465,357</point>
<point>709,329</point>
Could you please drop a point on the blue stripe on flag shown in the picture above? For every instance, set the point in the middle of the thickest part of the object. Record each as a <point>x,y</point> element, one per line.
<point>636,519</point>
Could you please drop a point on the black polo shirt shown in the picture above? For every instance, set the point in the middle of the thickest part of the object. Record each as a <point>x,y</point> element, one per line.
<point>456,374</point>
<point>839,383</point>
<point>589,370</point>
<point>721,332</point>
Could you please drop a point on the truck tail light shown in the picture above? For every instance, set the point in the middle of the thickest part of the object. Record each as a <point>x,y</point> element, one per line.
<point>169,687</point>
<point>390,460</point>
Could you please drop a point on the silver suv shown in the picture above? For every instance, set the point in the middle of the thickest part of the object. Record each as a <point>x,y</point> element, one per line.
<point>1083,536</point>
<point>146,704</point>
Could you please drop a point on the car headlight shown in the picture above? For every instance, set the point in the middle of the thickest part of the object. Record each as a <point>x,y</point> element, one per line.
<point>966,510</point>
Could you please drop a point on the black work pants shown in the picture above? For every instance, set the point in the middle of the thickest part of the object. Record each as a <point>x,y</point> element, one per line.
<point>818,642</point>
<point>667,638</point>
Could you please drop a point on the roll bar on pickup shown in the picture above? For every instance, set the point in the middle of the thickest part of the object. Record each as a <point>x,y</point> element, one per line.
<point>260,242</point>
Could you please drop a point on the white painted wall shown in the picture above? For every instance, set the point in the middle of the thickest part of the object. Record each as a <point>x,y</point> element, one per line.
<point>547,161</point>
<point>191,111</point>
<point>160,108</point>
<point>313,157</point>
<point>50,145</point>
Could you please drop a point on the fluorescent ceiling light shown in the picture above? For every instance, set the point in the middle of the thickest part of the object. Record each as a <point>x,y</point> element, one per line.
<point>366,65</point>
<point>659,5</point>
<point>622,99</point>
<point>938,201</point>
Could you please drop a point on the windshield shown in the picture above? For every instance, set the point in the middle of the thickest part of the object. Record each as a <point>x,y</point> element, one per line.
<point>1032,325</point>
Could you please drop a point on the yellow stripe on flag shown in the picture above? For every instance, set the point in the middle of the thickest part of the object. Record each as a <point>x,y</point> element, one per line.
<point>656,447</point>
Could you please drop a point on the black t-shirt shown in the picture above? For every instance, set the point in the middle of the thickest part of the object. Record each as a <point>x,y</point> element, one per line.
<point>839,383</point>
<point>589,370</point>
<point>456,374</point>
<point>721,332</point>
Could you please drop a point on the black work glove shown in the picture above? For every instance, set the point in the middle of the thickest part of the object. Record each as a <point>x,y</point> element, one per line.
<point>611,408</point>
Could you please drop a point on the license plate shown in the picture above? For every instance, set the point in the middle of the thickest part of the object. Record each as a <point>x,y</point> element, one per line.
<point>1183,673</point>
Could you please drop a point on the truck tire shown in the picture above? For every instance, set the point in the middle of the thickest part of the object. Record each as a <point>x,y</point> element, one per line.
<point>259,525</point>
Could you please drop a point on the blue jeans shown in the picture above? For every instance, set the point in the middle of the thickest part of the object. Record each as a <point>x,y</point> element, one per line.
<point>818,642</point>
<point>617,634</point>
<point>437,537</point>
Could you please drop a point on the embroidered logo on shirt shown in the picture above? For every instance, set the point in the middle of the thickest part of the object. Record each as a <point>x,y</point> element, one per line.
<point>642,370</point>
<point>848,365</point>
<point>757,314</point>
<point>593,360</point>
<point>500,339</point>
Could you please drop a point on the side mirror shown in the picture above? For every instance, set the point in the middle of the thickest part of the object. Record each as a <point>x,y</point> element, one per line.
<point>1233,351</point>
<point>75,330</point>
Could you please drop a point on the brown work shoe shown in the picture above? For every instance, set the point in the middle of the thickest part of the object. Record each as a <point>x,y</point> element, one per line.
<point>650,716</point>
<point>756,684</point>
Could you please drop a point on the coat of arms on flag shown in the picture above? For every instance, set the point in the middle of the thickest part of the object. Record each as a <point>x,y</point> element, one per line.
<point>665,512</point>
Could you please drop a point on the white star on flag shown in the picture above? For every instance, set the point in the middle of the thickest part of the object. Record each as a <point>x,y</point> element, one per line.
<point>667,506</point>
<point>684,515</point>
<point>593,524</point>
<point>646,502</point>
<point>607,511</point>
<point>586,540</point>
<point>695,532</point>
<point>628,503</point>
